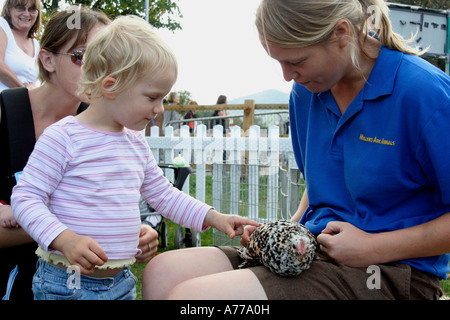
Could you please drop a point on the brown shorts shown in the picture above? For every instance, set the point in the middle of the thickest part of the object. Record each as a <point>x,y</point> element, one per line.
<point>328,280</point>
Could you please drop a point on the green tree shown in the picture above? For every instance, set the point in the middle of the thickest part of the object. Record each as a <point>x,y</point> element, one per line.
<point>185,97</point>
<point>162,13</point>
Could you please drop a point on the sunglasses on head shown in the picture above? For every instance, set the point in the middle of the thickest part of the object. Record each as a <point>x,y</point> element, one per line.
<point>76,56</point>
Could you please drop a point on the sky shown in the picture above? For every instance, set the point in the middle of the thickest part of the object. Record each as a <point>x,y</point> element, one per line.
<point>219,52</point>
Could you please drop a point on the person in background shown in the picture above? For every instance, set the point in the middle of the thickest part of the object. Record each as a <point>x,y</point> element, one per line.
<point>222,101</point>
<point>20,22</point>
<point>286,126</point>
<point>191,115</point>
<point>172,115</point>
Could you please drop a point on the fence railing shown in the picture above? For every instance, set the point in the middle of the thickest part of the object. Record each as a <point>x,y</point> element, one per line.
<point>253,173</point>
<point>249,109</point>
<point>265,119</point>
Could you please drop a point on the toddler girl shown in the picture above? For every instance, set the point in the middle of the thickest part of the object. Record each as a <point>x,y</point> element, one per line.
<point>78,195</point>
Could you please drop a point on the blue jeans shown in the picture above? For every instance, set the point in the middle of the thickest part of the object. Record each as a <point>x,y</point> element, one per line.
<point>53,283</point>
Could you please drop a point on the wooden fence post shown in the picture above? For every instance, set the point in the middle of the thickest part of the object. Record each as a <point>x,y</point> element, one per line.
<point>249,114</point>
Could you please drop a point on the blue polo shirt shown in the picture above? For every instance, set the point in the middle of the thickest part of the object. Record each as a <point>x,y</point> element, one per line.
<point>385,163</point>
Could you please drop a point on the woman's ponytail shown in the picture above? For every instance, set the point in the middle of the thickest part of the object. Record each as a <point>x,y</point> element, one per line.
<point>378,22</point>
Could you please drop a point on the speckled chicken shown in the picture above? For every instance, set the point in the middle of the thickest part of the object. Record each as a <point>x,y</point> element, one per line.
<point>285,247</point>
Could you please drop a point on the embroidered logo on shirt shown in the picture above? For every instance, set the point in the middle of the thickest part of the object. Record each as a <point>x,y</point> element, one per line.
<point>377,140</point>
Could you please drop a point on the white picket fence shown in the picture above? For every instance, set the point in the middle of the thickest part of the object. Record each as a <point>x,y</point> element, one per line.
<point>254,174</point>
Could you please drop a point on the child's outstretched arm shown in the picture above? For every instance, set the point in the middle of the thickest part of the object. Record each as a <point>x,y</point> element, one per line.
<point>231,225</point>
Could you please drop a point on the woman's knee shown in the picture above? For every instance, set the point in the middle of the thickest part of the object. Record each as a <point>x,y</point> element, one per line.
<point>152,276</point>
<point>228,285</point>
<point>170,268</point>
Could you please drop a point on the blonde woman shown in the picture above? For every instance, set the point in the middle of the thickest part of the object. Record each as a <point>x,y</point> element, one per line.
<point>369,122</point>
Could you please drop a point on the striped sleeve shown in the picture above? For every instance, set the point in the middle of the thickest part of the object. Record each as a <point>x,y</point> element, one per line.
<point>40,177</point>
<point>170,202</point>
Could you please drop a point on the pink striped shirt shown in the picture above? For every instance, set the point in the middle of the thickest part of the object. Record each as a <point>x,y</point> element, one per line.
<point>90,182</point>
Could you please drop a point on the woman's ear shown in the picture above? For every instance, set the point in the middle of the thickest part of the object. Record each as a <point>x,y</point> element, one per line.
<point>342,32</point>
<point>107,83</point>
<point>48,60</point>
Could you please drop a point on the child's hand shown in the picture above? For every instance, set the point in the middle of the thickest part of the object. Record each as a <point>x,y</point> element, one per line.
<point>6,217</point>
<point>231,225</point>
<point>82,251</point>
<point>248,230</point>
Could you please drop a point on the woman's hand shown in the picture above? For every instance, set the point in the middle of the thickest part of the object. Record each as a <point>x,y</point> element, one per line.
<point>6,217</point>
<point>346,244</point>
<point>148,243</point>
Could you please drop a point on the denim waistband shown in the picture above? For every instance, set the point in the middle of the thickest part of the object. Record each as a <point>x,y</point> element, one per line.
<point>56,274</point>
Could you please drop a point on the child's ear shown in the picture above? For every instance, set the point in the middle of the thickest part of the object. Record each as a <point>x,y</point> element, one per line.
<point>107,83</point>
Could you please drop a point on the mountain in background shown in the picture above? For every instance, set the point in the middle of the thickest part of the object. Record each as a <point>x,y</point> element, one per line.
<point>264,97</point>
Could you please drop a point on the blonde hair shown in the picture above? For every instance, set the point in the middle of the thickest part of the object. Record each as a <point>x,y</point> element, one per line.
<point>295,23</point>
<point>126,50</point>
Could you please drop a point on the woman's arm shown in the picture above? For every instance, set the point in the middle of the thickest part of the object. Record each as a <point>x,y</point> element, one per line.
<point>11,237</point>
<point>351,246</point>
<point>7,76</point>
<point>304,203</point>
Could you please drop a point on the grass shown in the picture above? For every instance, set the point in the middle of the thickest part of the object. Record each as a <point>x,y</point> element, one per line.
<point>445,286</point>
<point>138,268</point>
